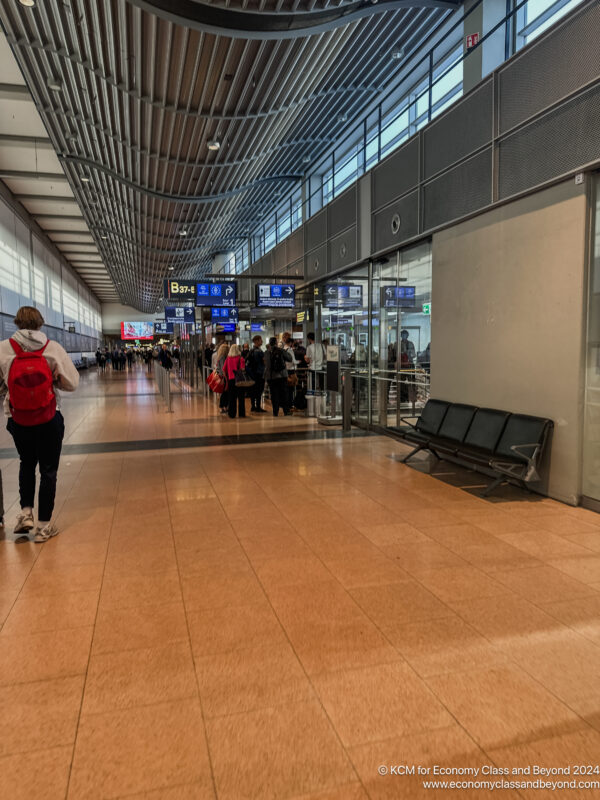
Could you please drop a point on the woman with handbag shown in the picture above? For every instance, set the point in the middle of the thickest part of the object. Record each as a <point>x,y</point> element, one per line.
<point>234,371</point>
<point>221,357</point>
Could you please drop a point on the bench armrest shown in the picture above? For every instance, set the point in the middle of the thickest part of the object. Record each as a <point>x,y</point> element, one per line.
<point>518,448</point>
<point>407,419</point>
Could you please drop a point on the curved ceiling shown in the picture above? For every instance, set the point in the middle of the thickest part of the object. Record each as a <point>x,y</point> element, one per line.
<point>130,100</point>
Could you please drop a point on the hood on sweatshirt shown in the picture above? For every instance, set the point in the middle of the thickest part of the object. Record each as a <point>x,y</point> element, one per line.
<point>30,340</point>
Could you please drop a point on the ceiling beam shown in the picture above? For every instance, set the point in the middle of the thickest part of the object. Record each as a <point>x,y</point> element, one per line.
<point>39,176</point>
<point>14,91</point>
<point>51,198</point>
<point>26,141</point>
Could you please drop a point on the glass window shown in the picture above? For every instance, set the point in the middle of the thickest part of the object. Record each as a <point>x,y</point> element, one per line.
<point>536,16</point>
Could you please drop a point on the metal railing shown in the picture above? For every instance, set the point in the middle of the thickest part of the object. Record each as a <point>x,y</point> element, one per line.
<point>163,381</point>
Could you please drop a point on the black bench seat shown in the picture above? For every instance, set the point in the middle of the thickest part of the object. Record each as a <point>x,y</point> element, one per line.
<point>510,445</point>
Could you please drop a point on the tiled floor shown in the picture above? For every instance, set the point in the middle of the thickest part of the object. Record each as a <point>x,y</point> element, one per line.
<point>286,619</point>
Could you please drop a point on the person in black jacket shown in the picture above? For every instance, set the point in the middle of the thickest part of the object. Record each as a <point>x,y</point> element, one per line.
<point>165,357</point>
<point>255,366</point>
<point>276,362</point>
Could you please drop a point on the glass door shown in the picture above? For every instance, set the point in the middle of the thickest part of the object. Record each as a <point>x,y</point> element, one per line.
<point>591,439</point>
<point>401,335</point>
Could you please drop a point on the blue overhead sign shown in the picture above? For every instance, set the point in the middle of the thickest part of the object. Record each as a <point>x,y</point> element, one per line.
<point>182,315</point>
<point>342,296</point>
<point>223,315</point>
<point>398,296</point>
<point>215,294</point>
<point>163,327</point>
<point>275,295</point>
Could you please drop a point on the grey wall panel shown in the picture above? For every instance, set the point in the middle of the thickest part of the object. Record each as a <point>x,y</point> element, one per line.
<point>296,270</point>
<point>396,174</point>
<point>462,130</point>
<point>363,245</point>
<point>315,230</point>
<point>551,69</point>
<point>558,142</point>
<point>295,245</point>
<point>279,256</point>
<point>397,222</point>
<point>342,249</point>
<point>458,192</point>
<point>315,263</point>
<point>341,212</point>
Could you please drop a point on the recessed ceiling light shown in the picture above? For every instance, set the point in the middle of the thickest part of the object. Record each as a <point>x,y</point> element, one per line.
<point>342,117</point>
<point>183,233</point>
<point>54,85</point>
<point>85,179</point>
<point>213,144</point>
<point>306,160</point>
<point>171,269</point>
<point>397,53</point>
<point>27,3</point>
<point>103,236</point>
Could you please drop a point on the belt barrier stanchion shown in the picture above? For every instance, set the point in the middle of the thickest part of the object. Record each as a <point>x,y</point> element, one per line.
<point>163,379</point>
<point>346,401</point>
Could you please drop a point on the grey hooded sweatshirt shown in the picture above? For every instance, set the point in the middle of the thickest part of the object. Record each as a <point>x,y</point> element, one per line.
<point>63,370</point>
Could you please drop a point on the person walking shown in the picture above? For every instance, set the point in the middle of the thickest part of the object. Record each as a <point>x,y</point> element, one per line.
<point>165,357</point>
<point>32,370</point>
<point>236,394</point>
<point>292,377</point>
<point>255,365</point>
<point>315,357</point>
<point>276,361</point>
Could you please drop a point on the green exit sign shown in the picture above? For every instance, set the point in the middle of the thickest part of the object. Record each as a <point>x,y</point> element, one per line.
<point>427,308</point>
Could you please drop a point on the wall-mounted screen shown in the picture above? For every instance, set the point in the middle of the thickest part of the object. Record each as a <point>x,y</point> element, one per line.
<point>343,296</point>
<point>215,294</point>
<point>161,328</point>
<point>228,327</point>
<point>137,330</point>
<point>275,295</point>
<point>398,296</point>
<point>182,315</point>
<point>224,315</point>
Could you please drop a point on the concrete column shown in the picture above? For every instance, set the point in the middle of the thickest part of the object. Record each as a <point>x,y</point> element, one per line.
<point>472,64</point>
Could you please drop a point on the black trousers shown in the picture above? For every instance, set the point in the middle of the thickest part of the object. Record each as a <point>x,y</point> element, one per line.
<point>237,396</point>
<point>256,392</point>
<point>38,445</point>
<point>279,395</point>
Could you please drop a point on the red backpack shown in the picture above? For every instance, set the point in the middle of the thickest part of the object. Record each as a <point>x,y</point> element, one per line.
<point>31,396</point>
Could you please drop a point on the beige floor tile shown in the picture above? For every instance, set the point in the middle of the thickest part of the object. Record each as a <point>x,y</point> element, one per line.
<point>567,750</point>
<point>60,579</point>
<point>138,627</point>
<point>354,571</point>
<point>246,680</point>
<point>564,524</point>
<point>287,750</point>
<point>142,561</point>
<point>189,791</point>
<point>7,600</point>
<point>415,556</point>
<point>511,707</point>
<point>544,584</point>
<point>139,750</point>
<point>349,791</point>
<point>506,620</point>
<point>392,604</point>
<point>218,589</point>
<point>124,591</point>
<point>120,680</point>
<point>332,645</point>
<point>439,646</point>
<point>544,545</point>
<point>290,571</point>
<point>379,702</point>
<point>447,747</point>
<point>582,615</point>
<point>584,568</point>
<point>222,630</point>
<point>34,614</point>
<point>37,716</point>
<point>42,656</point>
<point>23,777</point>
<point>457,584</point>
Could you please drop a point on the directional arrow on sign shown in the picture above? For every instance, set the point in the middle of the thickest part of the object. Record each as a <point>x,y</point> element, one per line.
<point>332,290</point>
<point>288,290</point>
<point>389,292</point>
<point>228,290</point>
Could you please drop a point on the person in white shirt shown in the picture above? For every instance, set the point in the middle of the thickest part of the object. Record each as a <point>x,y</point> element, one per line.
<point>315,356</point>
<point>38,431</point>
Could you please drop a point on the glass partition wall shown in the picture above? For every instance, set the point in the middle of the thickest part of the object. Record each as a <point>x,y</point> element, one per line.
<point>591,438</point>
<point>379,315</point>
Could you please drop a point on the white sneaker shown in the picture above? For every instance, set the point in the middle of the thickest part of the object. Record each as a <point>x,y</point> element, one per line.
<point>42,534</point>
<point>24,522</point>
